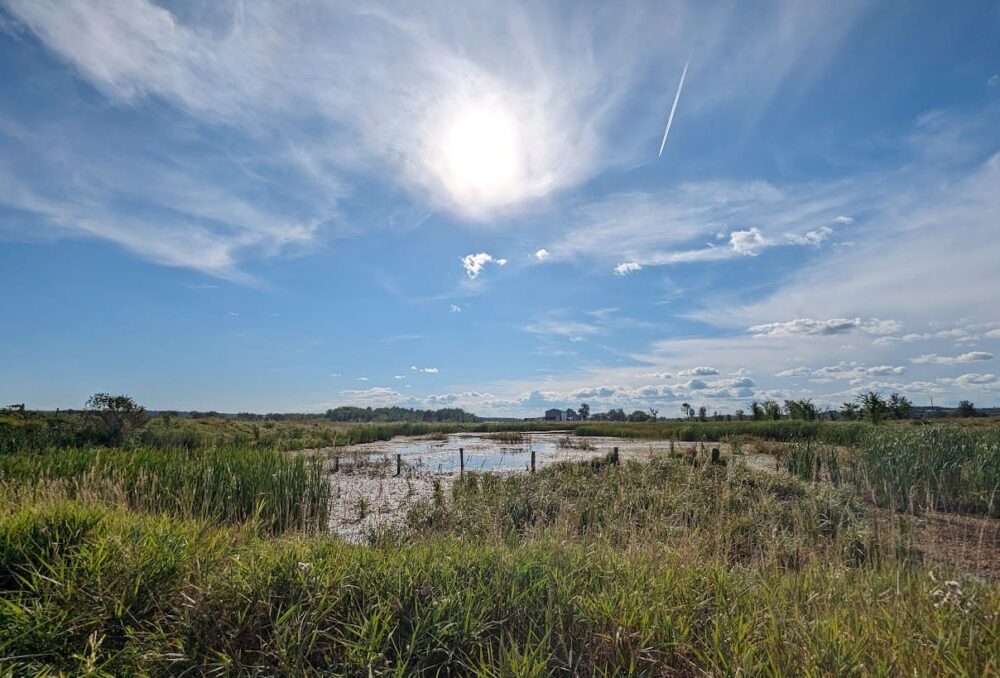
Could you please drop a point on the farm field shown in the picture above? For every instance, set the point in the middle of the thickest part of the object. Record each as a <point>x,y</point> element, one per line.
<point>801,557</point>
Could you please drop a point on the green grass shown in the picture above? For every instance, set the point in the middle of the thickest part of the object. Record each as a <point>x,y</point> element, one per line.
<point>98,590</point>
<point>785,430</point>
<point>277,490</point>
<point>944,468</point>
<point>162,562</point>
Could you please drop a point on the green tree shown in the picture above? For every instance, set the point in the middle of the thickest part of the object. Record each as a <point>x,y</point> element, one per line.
<point>702,413</point>
<point>115,419</point>
<point>850,411</point>
<point>801,409</point>
<point>757,411</point>
<point>638,415</point>
<point>772,409</point>
<point>966,409</point>
<point>874,407</point>
<point>899,406</point>
<point>584,412</point>
<point>688,410</point>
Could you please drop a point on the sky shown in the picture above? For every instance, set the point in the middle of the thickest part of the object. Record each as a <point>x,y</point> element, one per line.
<point>290,206</point>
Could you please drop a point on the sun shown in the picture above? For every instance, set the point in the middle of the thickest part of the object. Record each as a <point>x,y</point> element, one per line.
<point>480,157</point>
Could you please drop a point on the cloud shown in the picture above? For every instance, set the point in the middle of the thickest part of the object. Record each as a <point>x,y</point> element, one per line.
<point>853,370</point>
<point>554,326</point>
<point>425,370</point>
<point>973,380</point>
<point>627,267</point>
<point>815,237</point>
<point>747,243</point>
<point>846,221</point>
<point>794,372</point>
<point>698,372</point>
<point>455,308</point>
<point>542,254</point>
<point>474,263</point>
<point>833,326</point>
<point>934,359</point>
<point>398,376</point>
<point>362,378</point>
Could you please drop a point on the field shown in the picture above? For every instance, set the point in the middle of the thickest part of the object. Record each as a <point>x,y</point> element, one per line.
<point>213,558</point>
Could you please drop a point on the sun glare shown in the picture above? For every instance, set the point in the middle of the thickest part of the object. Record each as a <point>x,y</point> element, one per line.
<point>480,161</point>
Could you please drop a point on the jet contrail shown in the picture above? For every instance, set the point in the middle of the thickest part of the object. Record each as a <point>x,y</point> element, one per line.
<point>673,108</point>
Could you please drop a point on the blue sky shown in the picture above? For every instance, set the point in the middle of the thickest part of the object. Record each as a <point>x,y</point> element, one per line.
<point>288,206</point>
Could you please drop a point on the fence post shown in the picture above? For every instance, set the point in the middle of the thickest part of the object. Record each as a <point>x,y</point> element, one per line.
<point>399,463</point>
<point>532,459</point>
<point>336,464</point>
<point>715,455</point>
<point>461,462</point>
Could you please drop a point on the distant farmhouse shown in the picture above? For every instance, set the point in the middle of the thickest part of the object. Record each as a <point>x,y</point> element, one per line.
<point>561,415</point>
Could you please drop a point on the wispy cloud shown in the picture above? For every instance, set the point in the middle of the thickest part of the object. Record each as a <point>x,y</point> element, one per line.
<point>812,327</point>
<point>970,357</point>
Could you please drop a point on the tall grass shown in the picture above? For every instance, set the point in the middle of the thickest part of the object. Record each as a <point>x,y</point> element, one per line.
<point>948,468</point>
<point>96,590</point>
<point>277,490</point>
<point>786,430</point>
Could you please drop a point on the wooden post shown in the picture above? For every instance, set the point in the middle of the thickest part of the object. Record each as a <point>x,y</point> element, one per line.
<point>336,464</point>
<point>715,455</point>
<point>461,462</point>
<point>532,459</point>
<point>399,463</point>
<point>614,457</point>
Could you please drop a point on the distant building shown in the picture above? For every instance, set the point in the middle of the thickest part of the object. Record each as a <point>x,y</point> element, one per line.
<point>571,415</point>
<point>555,415</point>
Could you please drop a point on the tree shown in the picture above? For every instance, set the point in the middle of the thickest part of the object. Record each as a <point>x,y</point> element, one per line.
<point>115,418</point>
<point>638,415</point>
<point>739,415</point>
<point>702,413</point>
<point>772,410</point>
<point>966,409</point>
<point>850,411</point>
<point>900,406</point>
<point>801,409</point>
<point>756,411</point>
<point>653,413</point>
<point>688,410</point>
<point>584,412</point>
<point>874,408</point>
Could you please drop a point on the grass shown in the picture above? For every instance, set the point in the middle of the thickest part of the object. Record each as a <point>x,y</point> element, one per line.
<point>278,491</point>
<point>163,562</point>
<point>912,469</point>
<point>785,430</point>
<point>101,590</point>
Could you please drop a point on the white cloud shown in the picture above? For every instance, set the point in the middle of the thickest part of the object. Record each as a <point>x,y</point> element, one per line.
<point>794,372</point>
<point>542,254</point>
<point>748,243</point>
<point>933,358</point>
<point>698,372</point>
<point>973,380</point>
<point>362,378</point>
<point>846,221</point>
<point>398,376</point>
<point>474,263</point>
<point>425,370</point>
<point>455,308</point>
<point>815,238</point>
<point>834,326</point>
<point>627,267</point>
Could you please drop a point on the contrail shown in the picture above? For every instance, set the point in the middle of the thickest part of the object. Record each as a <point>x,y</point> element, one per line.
<point>673,108</point>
